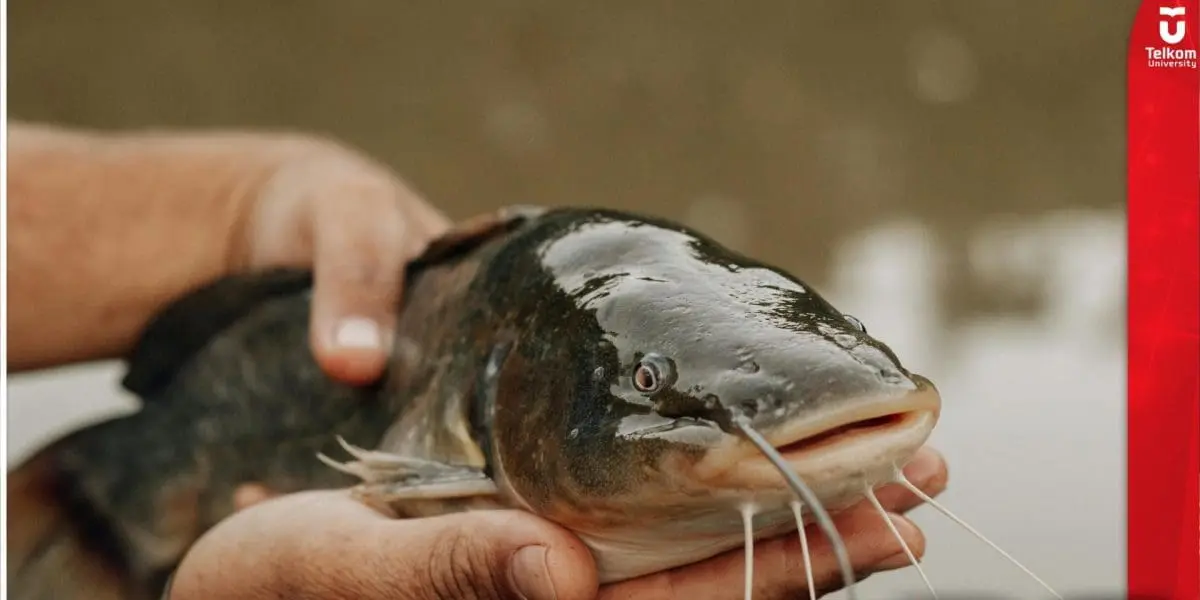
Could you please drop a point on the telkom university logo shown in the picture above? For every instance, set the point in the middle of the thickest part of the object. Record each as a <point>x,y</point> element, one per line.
<point>1173,28</point>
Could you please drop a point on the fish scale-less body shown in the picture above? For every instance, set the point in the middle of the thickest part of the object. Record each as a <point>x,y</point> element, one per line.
<point>250,405</point>
<point>519,378</point>
<point>157,479</point>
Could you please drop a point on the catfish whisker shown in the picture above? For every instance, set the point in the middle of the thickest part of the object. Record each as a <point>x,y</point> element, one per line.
<point>824,521</point>
<point>870,493</point>
<point>902,480</point>
<point>808,574</point>
<point>748,529</point>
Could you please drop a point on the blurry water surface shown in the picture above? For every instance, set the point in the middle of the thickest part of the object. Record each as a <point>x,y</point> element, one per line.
<point>949,172</point>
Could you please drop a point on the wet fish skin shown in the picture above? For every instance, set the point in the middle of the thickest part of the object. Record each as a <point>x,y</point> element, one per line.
<point>250,407</point>
<point>231,394</point>
<point>512,365</point>
<point>639,476</point>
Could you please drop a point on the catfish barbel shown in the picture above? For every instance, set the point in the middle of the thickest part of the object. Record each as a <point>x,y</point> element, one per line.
<point>660,396</point>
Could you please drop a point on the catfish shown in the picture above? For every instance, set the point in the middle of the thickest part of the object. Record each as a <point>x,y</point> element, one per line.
<point>661,396</point>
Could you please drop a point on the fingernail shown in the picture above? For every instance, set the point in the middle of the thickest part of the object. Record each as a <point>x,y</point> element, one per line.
<point>357,332</point>
<point>531,575</point>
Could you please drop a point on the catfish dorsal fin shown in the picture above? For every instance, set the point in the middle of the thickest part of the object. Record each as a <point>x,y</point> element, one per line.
<point>191,322</point>
<point>470,233</point>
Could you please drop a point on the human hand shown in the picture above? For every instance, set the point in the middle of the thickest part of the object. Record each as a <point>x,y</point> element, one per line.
<point>778,563</point>
<point>356,225</point>
<point>111,226</point>
<point>326,545</point>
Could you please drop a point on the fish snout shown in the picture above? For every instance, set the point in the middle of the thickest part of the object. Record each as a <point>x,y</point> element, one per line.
<point>840,440</point>
<point>824,382</point>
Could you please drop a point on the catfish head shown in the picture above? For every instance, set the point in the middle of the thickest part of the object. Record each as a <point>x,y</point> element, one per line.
<point>615,365</point>
<point>639,344</point>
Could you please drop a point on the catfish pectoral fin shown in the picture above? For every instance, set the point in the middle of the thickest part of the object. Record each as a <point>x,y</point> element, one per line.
<point>370,465</point>
<point>387,483</point>
<point>385,459</point>
<point>385,492</point>
<point>391,477</point>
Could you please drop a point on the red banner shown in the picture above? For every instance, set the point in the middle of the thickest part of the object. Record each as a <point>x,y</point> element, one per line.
<point>1164,301</point>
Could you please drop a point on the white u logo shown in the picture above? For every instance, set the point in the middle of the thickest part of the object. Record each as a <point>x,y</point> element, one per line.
<point>1168,35</point>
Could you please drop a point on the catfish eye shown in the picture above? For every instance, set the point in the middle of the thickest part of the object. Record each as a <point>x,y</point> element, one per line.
<point>652,374</point>
<point>856,323</point>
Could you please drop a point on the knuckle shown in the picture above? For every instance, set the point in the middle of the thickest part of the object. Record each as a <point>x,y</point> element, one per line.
<point>460,569</point>
<point>340,180</point>
<point>361,277</point>
<point>368,257</point>
<point>363,274</point>
<point>790,557</point>
<point>786,570</point>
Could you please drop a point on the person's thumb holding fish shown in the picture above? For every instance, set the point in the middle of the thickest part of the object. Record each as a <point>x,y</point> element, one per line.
<point>324,545</point>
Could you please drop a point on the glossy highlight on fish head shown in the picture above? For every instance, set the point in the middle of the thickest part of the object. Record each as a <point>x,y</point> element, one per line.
<point>644,340</point>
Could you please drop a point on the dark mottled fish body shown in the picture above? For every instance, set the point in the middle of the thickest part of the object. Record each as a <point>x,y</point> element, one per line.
<point>575,363</point>
<point>231,394</point>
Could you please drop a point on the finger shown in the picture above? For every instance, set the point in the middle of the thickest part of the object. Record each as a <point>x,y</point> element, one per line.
<point>360,247</point>
<point>324,544</point>
<point>483,554</point>
<point>499,554</point>
<point>430,221</point>
<point>778,563</point>
<point>879,549</point>
<point>927,470</point>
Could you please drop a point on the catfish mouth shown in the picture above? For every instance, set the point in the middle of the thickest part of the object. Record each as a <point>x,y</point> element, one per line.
<point>858,441</point>
<point>868,422</point>
<point>844,433</point>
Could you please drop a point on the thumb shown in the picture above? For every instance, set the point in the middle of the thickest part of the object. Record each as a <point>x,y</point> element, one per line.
<point>494,554</point>
<point>324,544</point>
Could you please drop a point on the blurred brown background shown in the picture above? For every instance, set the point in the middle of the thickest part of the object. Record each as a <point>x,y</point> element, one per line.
<point>787,129</point>
<point>778,126</point>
